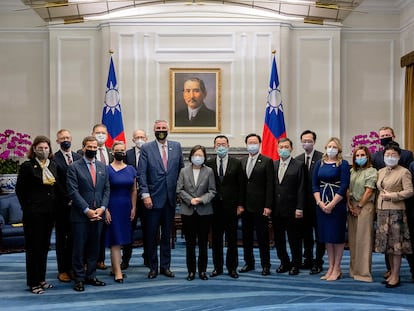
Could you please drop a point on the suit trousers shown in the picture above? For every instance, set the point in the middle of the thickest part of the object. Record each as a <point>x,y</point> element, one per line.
<point>86,244</point>
<point>224,222</point>
<point>155,218</point>
<point>361,239</point>
<point>196,230</point>
<point>64,240</point>
<point>291,226</point>
<point>252,222</point>
<point>37,232</point>
<point>310,230</point>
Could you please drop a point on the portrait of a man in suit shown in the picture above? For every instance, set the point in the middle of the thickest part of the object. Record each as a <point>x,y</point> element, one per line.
<point>195,101</point>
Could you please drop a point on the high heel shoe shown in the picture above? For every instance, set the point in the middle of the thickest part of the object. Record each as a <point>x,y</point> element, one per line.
<point>340,276</point>
<point>324,277</point>
<point>121,280</point>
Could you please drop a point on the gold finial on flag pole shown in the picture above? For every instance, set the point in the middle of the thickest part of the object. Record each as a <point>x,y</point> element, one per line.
<point>111,51</point>
<point>273,51</point>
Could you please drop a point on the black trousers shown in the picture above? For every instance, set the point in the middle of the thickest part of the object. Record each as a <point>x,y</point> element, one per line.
<point>37,232</point>
<point>292,227</point>
<point>224,222</point>
<point>250,223</point>
<point>196,230</point>
<point>310,230</point>
<point>64,239</point>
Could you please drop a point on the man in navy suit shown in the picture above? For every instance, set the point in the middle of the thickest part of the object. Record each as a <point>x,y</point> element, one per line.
<point>288,207</point>
<point>88,187</point>
<point>63,158</point>
<point>309,158</point>
<point>139,137</point>
<point>159,165</point>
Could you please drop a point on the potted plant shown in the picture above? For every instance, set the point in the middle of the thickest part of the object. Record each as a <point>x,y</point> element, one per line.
<point>13,148</point>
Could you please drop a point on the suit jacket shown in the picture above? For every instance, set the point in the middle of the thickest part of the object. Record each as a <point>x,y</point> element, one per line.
<point>290,192</point>
<point>33,195</point>
<point>317,155</point>
<point>153,179</point>
<point>131,157</point>
<point>82,192</point>
<point>204,117</point>
<point>259,186</point>
<point>232,190</point>
<point>398,182</point>
<point>406,158</point>
<point>204,189</point>
<point>62,168</point>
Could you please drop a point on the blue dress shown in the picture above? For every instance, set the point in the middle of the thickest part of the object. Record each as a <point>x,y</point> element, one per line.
<point>118,232</point>
<point>329,179</point>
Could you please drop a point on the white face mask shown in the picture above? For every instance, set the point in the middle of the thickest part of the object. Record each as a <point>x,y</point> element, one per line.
<point>101,138</point>
<point>331,152</point>
<point>391,161</point>
<point>139,143</point>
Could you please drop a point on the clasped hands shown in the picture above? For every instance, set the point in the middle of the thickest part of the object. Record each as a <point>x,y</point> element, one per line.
<point>326,207</point>
<point>95,215</point>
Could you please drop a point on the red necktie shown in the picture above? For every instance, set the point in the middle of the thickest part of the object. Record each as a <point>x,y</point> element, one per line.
<point>93,173</point>
<point>164,158</point>
<point>69,159</point>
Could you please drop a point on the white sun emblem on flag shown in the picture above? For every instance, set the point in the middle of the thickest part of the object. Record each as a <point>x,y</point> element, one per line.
<point>274,101</point>
<point>112,100</point>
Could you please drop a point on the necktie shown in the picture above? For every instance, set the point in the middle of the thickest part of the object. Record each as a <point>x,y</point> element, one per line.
<point>93,173</point>
<point>221,172</point>
<point>282,170</point>
<point>102,156</point>
<point>249,167</point>
<point>307,161</point>
<point>164,158</point>
<point>69,158</point>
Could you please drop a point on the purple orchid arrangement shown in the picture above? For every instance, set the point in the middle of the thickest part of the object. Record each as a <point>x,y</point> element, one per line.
<point>371,141</point>
<point>13,146</point>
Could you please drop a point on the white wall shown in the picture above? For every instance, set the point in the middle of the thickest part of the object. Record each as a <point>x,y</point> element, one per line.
<point>338,81</point>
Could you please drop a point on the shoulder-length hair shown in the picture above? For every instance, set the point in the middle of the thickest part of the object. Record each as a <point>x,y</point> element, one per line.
<point>39,139</point>
<point>338,156</point>
<point>367,153</point>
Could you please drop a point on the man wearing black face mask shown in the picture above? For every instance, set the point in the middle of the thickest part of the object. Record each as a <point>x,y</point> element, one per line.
<point>63,158</point>
<point>386,135</point>
<point>159,165</point>
<point>88,187</point>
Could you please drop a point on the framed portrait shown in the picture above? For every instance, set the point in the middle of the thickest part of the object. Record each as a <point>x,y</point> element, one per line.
<point>195,100</point>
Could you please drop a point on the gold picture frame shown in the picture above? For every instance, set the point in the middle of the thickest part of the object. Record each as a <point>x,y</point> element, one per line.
<point>207,119</point>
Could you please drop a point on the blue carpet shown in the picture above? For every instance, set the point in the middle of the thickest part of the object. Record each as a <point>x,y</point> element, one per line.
<point>250,292</point>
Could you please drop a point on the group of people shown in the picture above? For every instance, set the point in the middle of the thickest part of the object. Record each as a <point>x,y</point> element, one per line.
<point>94,196</point>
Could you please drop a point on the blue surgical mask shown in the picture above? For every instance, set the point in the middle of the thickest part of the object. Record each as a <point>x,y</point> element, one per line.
<point>284,153</point>
<point>361,161</point>
<point>252,148</point>
<point>222,151</point>
<point>197,160</point>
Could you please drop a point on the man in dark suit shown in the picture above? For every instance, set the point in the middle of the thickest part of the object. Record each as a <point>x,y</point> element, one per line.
<point>63,158</point>
<point>309,158</point>
<point>159,165</point>
<point>88,187</point>
<point>228,204</point>
<point>132,158</point>
<point>196,112</point>
<point>386,135</point>
<point>288,207</point>
<point>258,207</point>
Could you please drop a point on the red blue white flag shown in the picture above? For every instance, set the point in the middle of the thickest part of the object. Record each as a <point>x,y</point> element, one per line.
<point>112,115</point>
<point>274,124</point>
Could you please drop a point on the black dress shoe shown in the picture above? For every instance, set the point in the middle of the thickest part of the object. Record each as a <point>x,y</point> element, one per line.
<point>79,287</point>
<point>124,265</point>
<point>95,282</point>
<point>316,269</point>
<point>233,274</point>
<point>216,273</point>
<point>152,274</point>
<point>388,285</point>
<point>190,276</point>
<point>167,273</point>
<point>282,269</point>
<point>246,268</point>
<point>266,271</point>
<point>294,271</point>
<point>203,276</point>
<point>121,280</point>
<point>306,265</point>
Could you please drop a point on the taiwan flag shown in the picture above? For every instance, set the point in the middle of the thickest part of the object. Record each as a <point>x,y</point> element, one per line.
<point>112,115</point>
<point>274,123</point>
